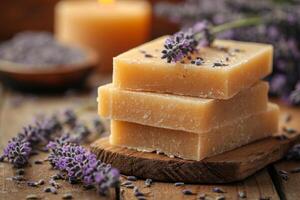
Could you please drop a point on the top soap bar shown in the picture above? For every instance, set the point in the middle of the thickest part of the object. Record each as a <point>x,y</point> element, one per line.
<point>217,72</point>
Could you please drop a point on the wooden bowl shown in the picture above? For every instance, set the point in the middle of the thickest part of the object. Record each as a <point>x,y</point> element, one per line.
<point>47,79</point>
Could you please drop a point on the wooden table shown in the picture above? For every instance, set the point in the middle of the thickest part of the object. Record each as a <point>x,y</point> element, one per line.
<point>16,110</point>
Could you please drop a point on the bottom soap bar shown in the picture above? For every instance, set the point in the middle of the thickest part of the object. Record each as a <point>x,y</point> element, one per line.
<point>193,146</point>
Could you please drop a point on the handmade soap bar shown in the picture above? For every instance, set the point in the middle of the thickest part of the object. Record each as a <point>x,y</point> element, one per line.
<point>196,146</point>
<point>218,72</point>
<point>179,112</point>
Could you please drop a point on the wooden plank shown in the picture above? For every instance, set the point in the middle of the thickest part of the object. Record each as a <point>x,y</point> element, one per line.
<point>230,166</point>
<point>256,187</point>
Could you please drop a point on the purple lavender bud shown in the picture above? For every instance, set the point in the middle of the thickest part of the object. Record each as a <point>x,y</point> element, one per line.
<point>185,42</point>
<point>81,165</point>
<point>17,152</point>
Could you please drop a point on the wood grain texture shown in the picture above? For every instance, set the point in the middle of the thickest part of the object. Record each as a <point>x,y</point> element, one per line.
<point>256,187</point>
<point>224,168</point>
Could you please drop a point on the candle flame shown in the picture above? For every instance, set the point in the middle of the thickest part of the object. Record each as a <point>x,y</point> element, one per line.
<point>106,1</point>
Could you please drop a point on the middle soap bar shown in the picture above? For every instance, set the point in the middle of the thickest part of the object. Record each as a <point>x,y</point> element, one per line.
<point>195,146</point>
<point>178,112</point>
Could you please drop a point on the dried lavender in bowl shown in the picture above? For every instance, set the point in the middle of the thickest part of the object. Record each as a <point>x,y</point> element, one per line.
<point>39,49</point>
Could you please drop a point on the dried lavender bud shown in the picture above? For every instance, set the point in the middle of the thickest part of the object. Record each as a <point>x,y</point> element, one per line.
<point>148,182</point>
<point>126,183</point>
<point>67,196</point>
<point>20,171</point>
<point>183,43</point>
<point>32,197</point>
<point>18,178</point>
<point>82,165</point>
<point>179,184</point>
<point>187,192</point>
<point>38,162</point>
<point>141,198</point>
<point>283,174</point>
<point>242,195</point>
<point>218,190</point>
<point>41,182</point>
<point>32,183</point>
<point>54,183</point>
<point>137,192</point>
<point>131,178</point>
<point>129,186</point>
<point>294,153</point>
<point>47,189</point>
<point>202,196</point>
<point>148,56</point>
<point>295,170</point>
<point>222,197</point>
<point>39,49</point>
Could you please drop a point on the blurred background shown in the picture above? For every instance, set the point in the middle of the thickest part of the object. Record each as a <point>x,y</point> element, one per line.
<point>53,45</point>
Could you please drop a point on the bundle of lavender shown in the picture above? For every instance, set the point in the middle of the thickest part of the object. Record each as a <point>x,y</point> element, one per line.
<point>77,163</point>
<point>279,25</point>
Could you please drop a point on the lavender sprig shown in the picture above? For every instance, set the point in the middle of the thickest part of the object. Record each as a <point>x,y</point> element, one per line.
<point>80,165</point>
<point>186,42</point>
<point>17,152</point>
<point>19,148</point>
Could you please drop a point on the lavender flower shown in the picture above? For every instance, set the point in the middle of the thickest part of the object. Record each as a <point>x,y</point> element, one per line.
<point>19,148</point>
<point>17,152</point>
<point>81,165</point>
<point>186,42</point>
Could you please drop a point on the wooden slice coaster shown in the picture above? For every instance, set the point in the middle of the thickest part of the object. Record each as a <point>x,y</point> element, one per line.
<point>228,167</point>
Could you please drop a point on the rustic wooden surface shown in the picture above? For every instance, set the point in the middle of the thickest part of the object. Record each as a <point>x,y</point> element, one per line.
<point>228,167</point>
<point>15,113</point>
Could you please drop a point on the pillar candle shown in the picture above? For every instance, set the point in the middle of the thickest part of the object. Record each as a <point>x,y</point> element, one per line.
<point>108,27</point>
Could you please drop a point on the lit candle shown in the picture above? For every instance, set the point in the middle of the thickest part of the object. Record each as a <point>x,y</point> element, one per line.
<point>108,27</point>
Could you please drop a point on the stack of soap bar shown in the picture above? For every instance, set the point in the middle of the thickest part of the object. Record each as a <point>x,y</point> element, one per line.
<point>208,103</point>
<point>179,112</point>
<point>196,146</point>
<point>226,68</point>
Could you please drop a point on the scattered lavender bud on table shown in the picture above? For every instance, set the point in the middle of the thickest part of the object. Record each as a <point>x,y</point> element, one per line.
<point>179,184</point>
<point>32,184</point>
<point>295,170</point>
<point>218,190</point>
<point>283,174</point>
<point>131,178</point>
<point>242,195</point>
<point>187,192</point>
<point>20,171</point>
<point>67,196</point>
<point>294,153</point>
<point>148,182</point>
<point>222,197</point>
<point>202,196</point>
<point>32,197</point>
